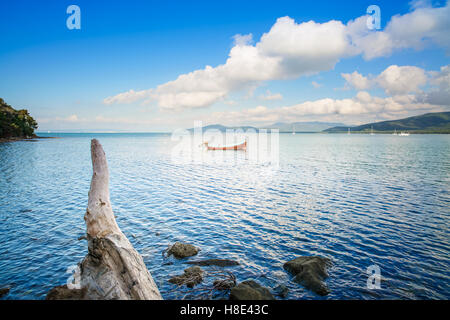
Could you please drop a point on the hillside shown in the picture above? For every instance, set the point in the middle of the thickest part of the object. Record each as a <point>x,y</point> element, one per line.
<point>437,122</point>
<point>314,126</point>
<point>282,126</point>
<point>15,123</point>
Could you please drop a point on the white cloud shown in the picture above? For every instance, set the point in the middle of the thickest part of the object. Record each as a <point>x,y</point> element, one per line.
<point>362,103</point>
<point>440,92</point>
<point>401,80</point>
<point>72,118</point>
<point>357,80</point>
<point>316,84</point>
<point>304,48</point>
<point>127,97</point>
<point>102,122</point>
<point>358,107</point>
<point>415,4</point>
<point>230,102</point>
<point>242,40</point>
<point>394,80</point>
<point>290,50</point>
<point>271,96</point>
<point>416,30</point>
<point>69,119</point>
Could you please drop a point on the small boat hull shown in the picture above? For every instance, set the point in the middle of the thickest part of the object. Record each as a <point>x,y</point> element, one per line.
<point>241,146</point>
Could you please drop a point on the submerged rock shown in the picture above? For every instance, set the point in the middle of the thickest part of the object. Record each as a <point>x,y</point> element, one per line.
<point>281,291</point>
<point>310,272</point>
<point>226,284</point>
<point>64,293</point>
<point>190,277</point>
<point>4,291</point>
<point>215,262</point>
<point>250,290</point>
<point>182,250</point>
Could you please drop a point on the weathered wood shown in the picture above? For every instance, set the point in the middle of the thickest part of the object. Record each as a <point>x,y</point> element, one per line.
<point>112,269</point>
<point>99,216</point>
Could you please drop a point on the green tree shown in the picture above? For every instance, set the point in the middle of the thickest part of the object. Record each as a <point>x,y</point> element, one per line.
<point>15,123</point>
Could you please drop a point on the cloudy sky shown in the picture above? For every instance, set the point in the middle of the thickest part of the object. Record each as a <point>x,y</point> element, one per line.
<point>161,65</point>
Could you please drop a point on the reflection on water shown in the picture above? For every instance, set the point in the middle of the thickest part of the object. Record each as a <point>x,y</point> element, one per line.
<point>357,199</point>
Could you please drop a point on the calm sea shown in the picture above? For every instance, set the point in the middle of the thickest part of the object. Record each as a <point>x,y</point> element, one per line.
<point>360,200</point>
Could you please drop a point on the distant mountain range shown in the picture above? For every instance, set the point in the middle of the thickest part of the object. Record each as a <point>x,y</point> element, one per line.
<point>315,126</point>
<point>222,128</point>
<point>437,122</point>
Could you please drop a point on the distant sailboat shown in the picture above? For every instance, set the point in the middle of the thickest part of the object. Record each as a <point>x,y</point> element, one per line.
<point>404,134</point>
<point>293,129</point>
<point>395,132</point>
<point>371,131</point>
<point>348,131</point>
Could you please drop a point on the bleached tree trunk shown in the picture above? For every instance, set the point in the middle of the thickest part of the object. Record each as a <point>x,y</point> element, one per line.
<point>112,269</point>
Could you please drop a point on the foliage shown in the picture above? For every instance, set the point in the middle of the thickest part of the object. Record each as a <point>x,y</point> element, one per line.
<point>15,123</point>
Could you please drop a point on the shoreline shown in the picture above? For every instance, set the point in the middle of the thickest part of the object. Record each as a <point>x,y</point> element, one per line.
<point>14,139</point>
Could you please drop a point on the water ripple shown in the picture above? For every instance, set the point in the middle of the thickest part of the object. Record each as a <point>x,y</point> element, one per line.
<point>359,200</point>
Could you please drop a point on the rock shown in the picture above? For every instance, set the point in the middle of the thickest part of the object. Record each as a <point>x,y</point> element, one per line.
<point>82,238</point>
<point>64,293</point>
<point>250,290</point>
<point>112,269</point>
<point>281,291</point>
<point>226,284</point>
<point>182,250</point>
<point>310,272</point>
<point>191,277</point>
<point>157,233</point>
<point>215,262</point>
<point>4,291</point>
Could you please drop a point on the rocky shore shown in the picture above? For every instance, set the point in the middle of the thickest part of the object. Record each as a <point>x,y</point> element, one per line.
<point>14,139</point>
<point>308,271</point>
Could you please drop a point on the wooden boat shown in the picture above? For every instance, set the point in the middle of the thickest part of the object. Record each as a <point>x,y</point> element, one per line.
<point>239,146</point>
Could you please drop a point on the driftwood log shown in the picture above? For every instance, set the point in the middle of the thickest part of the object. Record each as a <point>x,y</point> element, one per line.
<point>112,269</point>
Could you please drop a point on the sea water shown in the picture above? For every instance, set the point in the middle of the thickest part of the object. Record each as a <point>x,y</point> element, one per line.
<point>359,200</point>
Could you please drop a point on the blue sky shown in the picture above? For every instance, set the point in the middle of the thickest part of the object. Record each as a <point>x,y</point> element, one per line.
<point>65,77</point>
